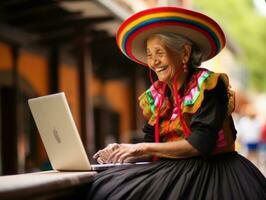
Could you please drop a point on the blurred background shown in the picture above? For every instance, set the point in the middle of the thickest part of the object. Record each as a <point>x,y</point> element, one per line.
<point>50,46</point>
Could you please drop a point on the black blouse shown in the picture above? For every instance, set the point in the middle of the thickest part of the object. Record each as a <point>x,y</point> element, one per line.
<point>205,123</point>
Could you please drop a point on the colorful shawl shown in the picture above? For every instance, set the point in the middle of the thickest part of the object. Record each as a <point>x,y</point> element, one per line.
<point>170,127</point>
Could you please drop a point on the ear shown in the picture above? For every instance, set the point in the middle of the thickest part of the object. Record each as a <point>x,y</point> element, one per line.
<point>186,53</point>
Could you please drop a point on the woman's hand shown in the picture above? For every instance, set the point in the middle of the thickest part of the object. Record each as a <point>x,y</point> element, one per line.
<point>103,155</point>
<point>126,152</point>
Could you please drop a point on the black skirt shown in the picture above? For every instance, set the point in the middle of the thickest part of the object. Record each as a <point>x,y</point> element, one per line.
<point>226,176</point>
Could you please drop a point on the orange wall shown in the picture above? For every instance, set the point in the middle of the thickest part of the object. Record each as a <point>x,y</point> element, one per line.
<point>117,94</point>
<point>69,83</point>
<point>34,69</point>
<point>94,86</point>
<point>5,56</point>
<point>31,67</point>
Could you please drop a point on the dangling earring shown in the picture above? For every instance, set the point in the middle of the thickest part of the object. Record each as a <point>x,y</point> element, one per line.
<point>185,68</point>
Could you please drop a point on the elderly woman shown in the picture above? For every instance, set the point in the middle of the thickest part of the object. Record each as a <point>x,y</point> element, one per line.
<point>189,131</point>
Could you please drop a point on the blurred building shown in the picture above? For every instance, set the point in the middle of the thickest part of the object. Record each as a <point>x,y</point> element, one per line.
<point>50,46</point>
<point>62,46</point>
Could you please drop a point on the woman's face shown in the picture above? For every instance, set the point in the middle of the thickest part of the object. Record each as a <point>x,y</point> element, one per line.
<point>163,61</point>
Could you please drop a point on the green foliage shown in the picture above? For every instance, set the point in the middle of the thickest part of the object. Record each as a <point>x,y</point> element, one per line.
<point>247,28</point>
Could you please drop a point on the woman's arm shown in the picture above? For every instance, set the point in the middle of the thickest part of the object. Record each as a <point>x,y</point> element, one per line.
<point>178,149</point>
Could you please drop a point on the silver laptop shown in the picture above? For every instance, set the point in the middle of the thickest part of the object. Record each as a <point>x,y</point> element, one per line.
<point>60,136</point>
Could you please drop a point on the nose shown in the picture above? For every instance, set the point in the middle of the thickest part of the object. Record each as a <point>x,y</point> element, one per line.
<point>155,62</point>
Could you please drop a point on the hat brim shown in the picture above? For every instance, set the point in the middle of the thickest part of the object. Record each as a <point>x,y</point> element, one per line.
<point>198,28</point>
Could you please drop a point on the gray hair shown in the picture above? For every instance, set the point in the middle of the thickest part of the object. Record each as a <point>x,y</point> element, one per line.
<point>176,42</point>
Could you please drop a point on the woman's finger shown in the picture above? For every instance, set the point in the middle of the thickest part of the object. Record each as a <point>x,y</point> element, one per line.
<point>105,155</point>
<point>100,161</point>
<point>108,148</point>
<point>123,157</point>
<point>113,146</point>
<point>117,157</point>
<point>113,155</point>
<point>96,155</point>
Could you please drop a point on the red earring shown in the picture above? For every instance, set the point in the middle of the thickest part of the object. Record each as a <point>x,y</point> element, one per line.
<point>185,67</point>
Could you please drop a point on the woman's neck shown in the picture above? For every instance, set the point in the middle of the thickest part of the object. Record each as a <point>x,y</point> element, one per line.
<point>180,80</point>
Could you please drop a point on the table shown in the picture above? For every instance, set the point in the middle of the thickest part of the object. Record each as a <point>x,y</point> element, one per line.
<point>45,185</point>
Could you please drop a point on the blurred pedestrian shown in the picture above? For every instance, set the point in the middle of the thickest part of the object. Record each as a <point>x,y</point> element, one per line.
<point>262,150</point>
<point>249,133</point>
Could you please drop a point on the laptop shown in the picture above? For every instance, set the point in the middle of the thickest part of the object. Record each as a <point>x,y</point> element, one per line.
<point>60,136</point>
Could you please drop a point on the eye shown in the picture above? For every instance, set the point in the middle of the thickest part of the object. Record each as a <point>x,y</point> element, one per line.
<point>160,53</point>
<point>149,55</point>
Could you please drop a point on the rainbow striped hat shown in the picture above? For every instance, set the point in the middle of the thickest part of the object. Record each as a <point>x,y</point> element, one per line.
<point>198,28</point>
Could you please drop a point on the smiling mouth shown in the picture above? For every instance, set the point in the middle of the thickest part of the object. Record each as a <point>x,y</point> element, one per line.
<point>160,69</point>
